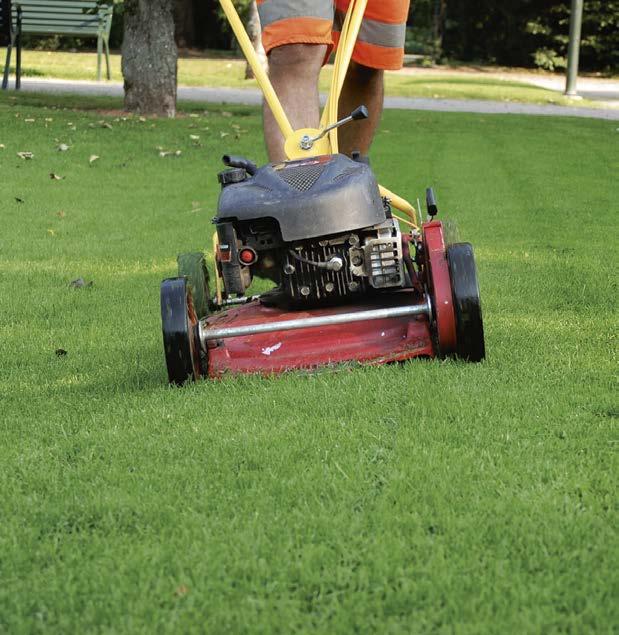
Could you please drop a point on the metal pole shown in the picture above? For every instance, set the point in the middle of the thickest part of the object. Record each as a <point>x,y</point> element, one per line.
<point>573,52</point>
<point>207,333</point>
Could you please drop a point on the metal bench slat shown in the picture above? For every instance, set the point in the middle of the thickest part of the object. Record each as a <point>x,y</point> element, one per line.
<point>82,19</point>
<point>51,5</point>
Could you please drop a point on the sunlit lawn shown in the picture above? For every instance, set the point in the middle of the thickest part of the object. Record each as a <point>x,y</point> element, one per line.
<point>428,497</point>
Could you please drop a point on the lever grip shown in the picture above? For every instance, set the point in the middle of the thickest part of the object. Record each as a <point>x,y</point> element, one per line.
<point>360,113</point>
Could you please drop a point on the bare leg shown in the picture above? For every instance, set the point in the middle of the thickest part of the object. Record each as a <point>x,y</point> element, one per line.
<point>294,71</point>
<point>363,85</point>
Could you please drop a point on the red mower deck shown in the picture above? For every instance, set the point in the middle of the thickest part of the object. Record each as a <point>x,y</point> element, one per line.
<point>377,341</point>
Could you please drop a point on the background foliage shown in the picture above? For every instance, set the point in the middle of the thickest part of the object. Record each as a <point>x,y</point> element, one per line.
<point>511,33</point>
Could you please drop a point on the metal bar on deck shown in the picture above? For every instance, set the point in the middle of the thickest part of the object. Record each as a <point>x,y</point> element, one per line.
<point>207,333</point>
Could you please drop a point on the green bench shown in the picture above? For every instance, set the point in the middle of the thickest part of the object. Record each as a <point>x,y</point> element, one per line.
<point>79,18</point>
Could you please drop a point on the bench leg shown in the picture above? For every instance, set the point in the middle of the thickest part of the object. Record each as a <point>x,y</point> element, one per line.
<point>99,53</point>
<point>5,79</point>
<point>106,42</point>
<point>18,62</point>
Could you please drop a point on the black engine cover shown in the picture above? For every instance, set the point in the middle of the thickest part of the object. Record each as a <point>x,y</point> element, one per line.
<point>308,198</point>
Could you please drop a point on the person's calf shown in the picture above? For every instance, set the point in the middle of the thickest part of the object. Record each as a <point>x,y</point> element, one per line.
<point>294,70</point>
<point>363,85</point>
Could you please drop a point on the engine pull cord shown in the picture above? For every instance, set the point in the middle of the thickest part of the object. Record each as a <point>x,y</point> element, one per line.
<point>335,263</point>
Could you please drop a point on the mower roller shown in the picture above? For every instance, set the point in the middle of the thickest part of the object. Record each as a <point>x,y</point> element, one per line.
<point>350,284</point>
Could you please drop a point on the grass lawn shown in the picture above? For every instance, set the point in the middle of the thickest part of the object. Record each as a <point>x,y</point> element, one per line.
<point>228,72</point>
<point>428,497</point>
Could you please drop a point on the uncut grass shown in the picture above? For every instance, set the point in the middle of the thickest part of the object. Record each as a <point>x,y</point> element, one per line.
<point>229,72</point>
<point>424,497</point>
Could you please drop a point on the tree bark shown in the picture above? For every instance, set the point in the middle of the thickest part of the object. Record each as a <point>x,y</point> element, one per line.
<point>149,57</point>
<point>255,35</point>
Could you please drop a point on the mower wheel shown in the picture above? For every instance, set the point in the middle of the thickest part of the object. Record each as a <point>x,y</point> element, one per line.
<point>193,267</point>
<point>467,304</point>
<point>179,323</point>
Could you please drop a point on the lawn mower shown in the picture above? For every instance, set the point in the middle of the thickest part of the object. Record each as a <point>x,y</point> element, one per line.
<point>356,277</point>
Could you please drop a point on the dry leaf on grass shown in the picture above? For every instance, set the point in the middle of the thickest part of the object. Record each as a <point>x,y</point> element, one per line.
<point>169,153</point>
<point>60,214</point>
<point>93,158</point>
<point>25,155</point>
<point>63,147</point>
<point>80,283</point>
<point>55,177</point>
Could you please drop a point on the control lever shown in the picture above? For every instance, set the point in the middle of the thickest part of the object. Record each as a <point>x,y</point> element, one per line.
<point>358,113</point>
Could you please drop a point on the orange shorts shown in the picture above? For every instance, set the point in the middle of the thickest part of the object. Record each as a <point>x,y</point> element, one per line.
<point>381,37</point>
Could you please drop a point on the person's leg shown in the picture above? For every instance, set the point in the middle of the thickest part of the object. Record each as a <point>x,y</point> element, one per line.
<point>363,85</point>
<point>294,71</point>
<point>379,47</point>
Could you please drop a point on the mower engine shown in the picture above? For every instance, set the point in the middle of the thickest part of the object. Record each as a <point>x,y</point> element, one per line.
<point>317,227</point>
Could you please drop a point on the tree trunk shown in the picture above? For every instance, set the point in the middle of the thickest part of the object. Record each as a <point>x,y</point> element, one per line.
<point>184,23</point>
<point>255,35</point>
<point>440,9</point>
<point>149,57</point>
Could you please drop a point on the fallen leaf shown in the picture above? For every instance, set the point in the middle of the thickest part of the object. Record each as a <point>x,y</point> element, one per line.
<point>60,352</point>
<point>51,232</point>
<point>80,283</point>
<point>60,214</point>
<point>63,147</point>
<point>93,158</point>
<point>181,590</point>
<point>25,155</point>
<point>55,177</point>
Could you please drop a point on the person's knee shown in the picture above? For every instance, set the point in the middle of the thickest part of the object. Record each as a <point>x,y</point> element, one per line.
<point>364,74</point>
<point>297,58</point>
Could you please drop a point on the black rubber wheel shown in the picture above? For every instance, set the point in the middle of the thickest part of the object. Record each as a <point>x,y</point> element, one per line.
<point>193,267</point>
<point>179,323</point>
<point>467,304</point>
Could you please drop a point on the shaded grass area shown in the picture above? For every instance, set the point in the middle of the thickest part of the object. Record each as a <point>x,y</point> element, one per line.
<point>230,72</point>
<point>427,497</point>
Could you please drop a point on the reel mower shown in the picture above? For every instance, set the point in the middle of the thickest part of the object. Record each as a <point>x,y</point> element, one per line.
<point>354,280</point>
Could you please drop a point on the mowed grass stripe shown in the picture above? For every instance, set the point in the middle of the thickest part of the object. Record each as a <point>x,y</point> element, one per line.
<point>427,497</point>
